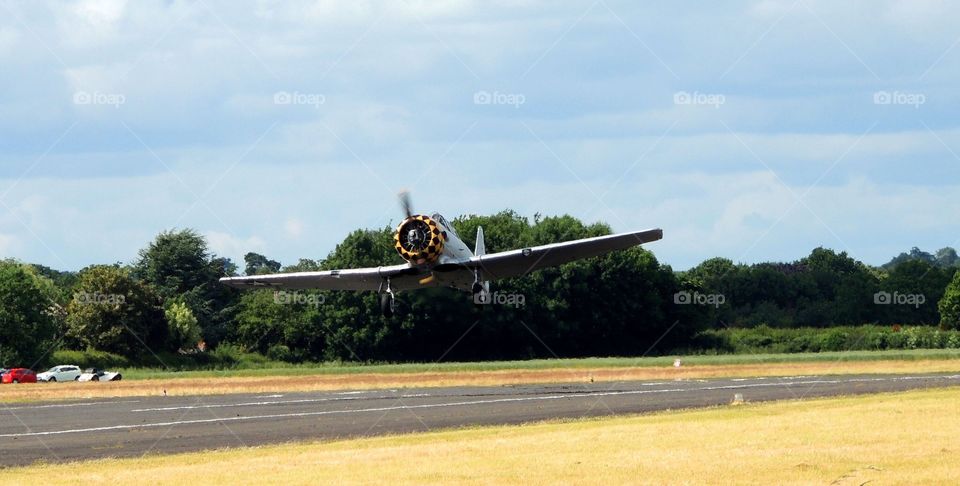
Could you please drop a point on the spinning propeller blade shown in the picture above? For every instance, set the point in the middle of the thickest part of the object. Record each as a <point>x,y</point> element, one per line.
<point>405,203</point>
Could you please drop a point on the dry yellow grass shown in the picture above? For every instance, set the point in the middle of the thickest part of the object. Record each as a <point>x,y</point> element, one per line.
<point>903,438</point>
<point>220,385</point>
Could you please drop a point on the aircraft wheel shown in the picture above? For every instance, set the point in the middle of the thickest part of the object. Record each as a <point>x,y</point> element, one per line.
<point>386,304</point>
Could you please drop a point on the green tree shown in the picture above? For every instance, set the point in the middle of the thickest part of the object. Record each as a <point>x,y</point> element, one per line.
<point>950,305</point>
<point>503,231</point>
<point>947,258</point>
<point>111,311</point>
<point>181,267</point>
<point>715,276</point>
<point>917,278</point>
<point>176,262</point>
<point>266,320</point>
<point>64,281</point>
<point>915,254</point>
<point>29,315</point>
<point>182,326</point>
<point>352,324</point>
<point>304,265</point>
<point>258,264</point>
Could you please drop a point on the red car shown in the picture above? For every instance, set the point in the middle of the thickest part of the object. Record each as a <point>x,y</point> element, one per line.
<point>19,375</point>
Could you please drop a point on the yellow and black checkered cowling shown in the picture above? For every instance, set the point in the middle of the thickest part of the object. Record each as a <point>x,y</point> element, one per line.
<point>419,239</point>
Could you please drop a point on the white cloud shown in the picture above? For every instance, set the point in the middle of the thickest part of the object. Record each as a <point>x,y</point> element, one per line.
<point>398,96</point>
<point>90,23</point>
<point>8,39</point>
<point>7,245</point>
<point>227,245</point>
<point>294,227</point>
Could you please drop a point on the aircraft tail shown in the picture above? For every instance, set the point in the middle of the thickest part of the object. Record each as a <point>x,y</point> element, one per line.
<point>481,248</point>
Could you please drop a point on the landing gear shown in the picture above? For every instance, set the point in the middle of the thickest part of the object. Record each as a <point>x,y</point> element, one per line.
<point>481,289</point>
<point>387,300</point>
<point>387,303</point>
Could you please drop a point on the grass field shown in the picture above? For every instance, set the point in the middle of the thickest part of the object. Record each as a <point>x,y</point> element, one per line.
<point>541,364</point>
<point>902,438</point>
<point>493,373</point>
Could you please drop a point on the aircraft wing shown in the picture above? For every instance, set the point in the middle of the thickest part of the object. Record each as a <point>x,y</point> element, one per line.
<point>401,277</point>
<point>523,261</point>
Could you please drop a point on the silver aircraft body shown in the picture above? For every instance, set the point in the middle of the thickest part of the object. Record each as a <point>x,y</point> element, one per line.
<point>436,256</point>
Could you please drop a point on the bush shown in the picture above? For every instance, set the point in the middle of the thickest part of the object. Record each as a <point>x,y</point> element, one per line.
<point>279,352</point>
<point>226,355</point>
<point>88,359</point>
<point>953,341</point>
<point>764,339</point>
<point>833,340</point>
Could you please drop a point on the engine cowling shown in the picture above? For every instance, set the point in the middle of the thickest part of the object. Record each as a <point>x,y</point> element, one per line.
<point>419,239</point>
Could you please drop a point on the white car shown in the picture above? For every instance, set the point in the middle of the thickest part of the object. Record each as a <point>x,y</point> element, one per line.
<point>60,373</point>
<point>94,374</point>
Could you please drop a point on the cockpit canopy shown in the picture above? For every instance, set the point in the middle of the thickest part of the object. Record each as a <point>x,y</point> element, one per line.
<point>443,221</point>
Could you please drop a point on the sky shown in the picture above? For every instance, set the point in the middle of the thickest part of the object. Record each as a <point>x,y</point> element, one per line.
<point>754,131</point>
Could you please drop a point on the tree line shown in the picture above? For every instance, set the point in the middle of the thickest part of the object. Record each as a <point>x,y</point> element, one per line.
<point>625,303</point>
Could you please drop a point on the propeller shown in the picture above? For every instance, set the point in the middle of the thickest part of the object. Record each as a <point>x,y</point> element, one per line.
<point>405,202</point>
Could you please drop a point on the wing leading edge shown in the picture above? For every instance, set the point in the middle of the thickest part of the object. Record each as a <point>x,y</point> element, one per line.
<point>520,262</point>
<point>401,277</point>
<point>493,266</point>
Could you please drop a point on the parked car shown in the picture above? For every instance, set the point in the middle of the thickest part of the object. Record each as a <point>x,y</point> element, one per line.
<point>60,373</point>
<point>19,375</point>
<point>95,374</point>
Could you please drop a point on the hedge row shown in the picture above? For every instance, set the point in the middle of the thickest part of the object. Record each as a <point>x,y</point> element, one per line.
<point>225,356</point>
<point>88,359</point>
<point>764,339</point>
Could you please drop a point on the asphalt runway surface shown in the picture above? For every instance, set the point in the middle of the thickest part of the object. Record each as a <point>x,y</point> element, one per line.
<point>129,427</point>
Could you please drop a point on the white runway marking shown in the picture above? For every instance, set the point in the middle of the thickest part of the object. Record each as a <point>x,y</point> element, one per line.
<point>468,403</point>
<point>68,405</point>
<point>273,402</point>
<point>244,404</point>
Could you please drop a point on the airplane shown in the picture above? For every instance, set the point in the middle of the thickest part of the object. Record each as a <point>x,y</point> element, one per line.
<point>436,257</point>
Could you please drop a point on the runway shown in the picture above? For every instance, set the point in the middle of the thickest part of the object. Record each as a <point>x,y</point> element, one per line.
<point>127,427</point>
